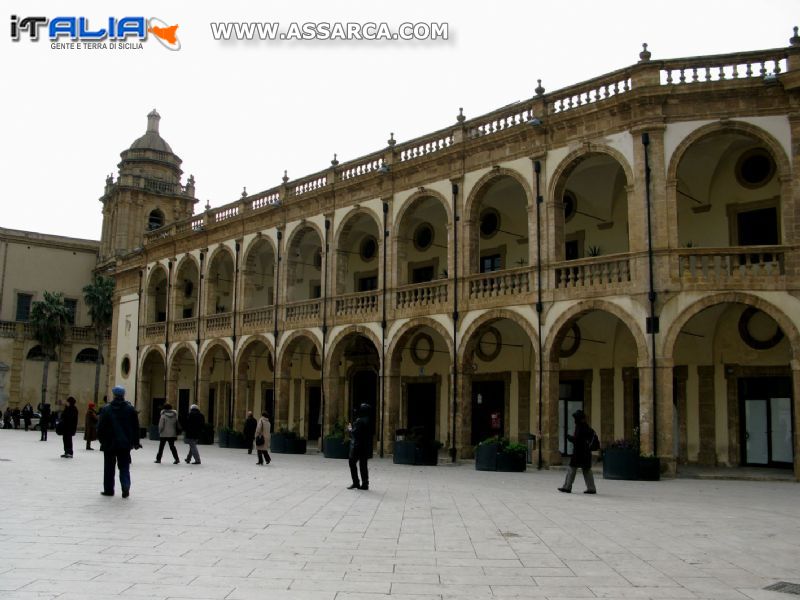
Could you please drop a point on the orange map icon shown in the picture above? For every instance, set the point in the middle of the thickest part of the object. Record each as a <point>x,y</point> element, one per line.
<point>165,33</point>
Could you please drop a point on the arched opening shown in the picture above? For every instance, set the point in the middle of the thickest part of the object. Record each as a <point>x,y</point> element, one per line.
<point>157,296</point>
<point>259,275</point>
<point>732,389</point>
<point>155,219</point>
<point>183,372</point>
<point>498,227</point>
<point>152,388</point>
<point>304,266</point>
<point>254,386</point>
<point>216,384</point>
<point>422,241</point>
<point>358,255</point>
<point>219,284</point>
<point>299,401</point>
<point>37,353</point>
<point>591,208</point>
<point>186,289</point>
<point>88,355</point>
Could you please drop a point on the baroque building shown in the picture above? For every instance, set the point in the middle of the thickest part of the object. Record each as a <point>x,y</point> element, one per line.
<point>626,245</point>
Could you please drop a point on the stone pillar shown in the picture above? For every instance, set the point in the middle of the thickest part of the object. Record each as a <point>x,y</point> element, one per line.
<point>606,407</point>
<point>282,399</point>
<point>523,405</point>
<point>549,434</point>
<point>732,385</point>
<point>391,411</point>
<point>679,376</point>
<point>796,411</point>
<point>629,375</point>
<point>665,415</point>
<point>708,437</point>
<point>646,412</point>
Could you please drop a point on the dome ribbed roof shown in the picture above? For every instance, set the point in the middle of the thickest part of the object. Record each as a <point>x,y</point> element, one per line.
<point>152,140</point>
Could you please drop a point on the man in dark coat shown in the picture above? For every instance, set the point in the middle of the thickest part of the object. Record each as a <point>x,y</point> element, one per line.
<point>69,425</point>
<point>118,432</point>
<point>44,420</point>
<point>250,425</point>
<point>195,422</point>
<point>27,415</point>
<point>360,448</point>
<point>581,455</point>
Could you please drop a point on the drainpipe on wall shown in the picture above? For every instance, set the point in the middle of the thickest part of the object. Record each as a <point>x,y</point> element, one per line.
<point>275,327</point>
<point>232,399</point>
<point>138,340</point>
<point>652,321</point>
<point>537,167</point>
<point>166,331</point>
<point>200,278</point>
<point>324,329</point>
<point>383,324</point>
<point>453,452</point>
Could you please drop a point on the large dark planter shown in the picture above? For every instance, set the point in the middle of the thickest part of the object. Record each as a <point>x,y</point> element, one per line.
<point>152,433</point>
<point>511,462</point>
<point>222,438</point>
<point>486,457</point>
<point>649,468</point>
<point>207,435</point>
<point>278,443</point>
<point>336,448</point>
<point>620,463</point>
<point>408,452</point>
<point>296,446</point>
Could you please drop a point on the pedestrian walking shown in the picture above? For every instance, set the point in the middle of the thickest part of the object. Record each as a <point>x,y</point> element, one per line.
<point>16,416</point>
<point>44,420</point>
<point>27,415</point>
<point>249,431</point>
<point>263,439</point>
<point>68,426</point>
<point>195,421</point>
<point>168,432</point>
<point>118,432</point>
<point>581,455</point>
<point>360,448</point>
<point>7,419</point>
<point>90,426</point>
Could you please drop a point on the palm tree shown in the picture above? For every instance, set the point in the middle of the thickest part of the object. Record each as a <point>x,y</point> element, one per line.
<point>99,297</point>
<point>49,318</point>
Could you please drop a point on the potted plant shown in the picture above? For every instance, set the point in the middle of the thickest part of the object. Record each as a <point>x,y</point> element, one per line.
<point>222,436</point>
<point>415,449</point>
<point>621,460</point>
<point>500,454</point>
<point>512,458</point>
<point>337,442</point>
<point>486,454</point>
<point>286,441</point>
<point>649,467</point>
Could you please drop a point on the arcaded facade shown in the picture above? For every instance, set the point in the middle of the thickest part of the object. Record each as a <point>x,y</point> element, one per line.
<point>626,245</point>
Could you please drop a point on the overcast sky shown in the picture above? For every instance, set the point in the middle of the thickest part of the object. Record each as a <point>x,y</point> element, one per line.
<point>239,113</point>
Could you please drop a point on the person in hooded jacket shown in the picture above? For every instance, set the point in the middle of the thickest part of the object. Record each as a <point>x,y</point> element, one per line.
<point>90,426</point>
<point>581,455</point>
<point>262,430</point>
<point>168,433</point>
<point>195,421</point>
<point>118,432</point>
<point>360,448</point>
<point>69,426</point>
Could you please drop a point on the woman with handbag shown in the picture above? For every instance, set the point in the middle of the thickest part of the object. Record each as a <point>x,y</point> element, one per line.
<point>262,439</point>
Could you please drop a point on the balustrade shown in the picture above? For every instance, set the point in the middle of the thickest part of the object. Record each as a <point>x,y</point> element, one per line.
<point>303,311</point>
<point>498,283</point>
<point>731,265</point>
<point>422,294</point>
<point>592,273</point>
<point>359,304</point>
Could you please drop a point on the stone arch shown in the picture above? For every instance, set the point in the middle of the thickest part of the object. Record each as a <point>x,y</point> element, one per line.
<point>787,326</point>
<point>559,328</point>
<point>158,349</point>
<point>413,324</point>
<point>252,339</point>
<point>781,160</point>
<point>488,317</point>
<point>301,227</point>
<point>485,182</point>
<point>333,346</point>
<point>569,162</point>
<point>339,237</point>
<point>409,203</point>
<point>209,350</point>
<point>258,239</point>
<point>287,342</point>
<point>187,258</point>
<point>344,227</point>
<point>212,256</point>
<point>177,348</point>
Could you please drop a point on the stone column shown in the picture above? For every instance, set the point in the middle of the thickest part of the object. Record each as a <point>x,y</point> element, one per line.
<point>665,415</point>
<point>679,375</point>
<point>708,441</point>
<point>391,411</point>
<point>549,434</point>
<point>796,411</point>
<point>281,416</point>
<point>606,407</point>
<point>646,412</point>
<point>629,374</point>
<point>523,405</point>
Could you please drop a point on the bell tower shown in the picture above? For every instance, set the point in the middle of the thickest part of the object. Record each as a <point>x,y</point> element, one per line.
<point>147,194</point>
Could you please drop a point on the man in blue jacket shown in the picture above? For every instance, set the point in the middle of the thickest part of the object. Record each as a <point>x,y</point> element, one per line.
<point>118,433</point>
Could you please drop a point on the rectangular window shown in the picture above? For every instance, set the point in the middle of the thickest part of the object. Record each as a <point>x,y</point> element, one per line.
<point>24,306</point>
<point>491,262</point>
<point>422,275</point>
<point>72,307</point>
<point>367,284</point>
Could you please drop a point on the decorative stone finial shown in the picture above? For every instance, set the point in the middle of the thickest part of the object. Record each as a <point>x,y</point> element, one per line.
<point>644,55</point>
<point>285,176</point>
<point>795,39</point>
<point>152,120</point>
<point>461,118</point>
<point>208,205</point>
<point>191,179</point>
<point>244,192</point>
<point>539,89</point>
<point>334,162</point>
<point>391,141</point>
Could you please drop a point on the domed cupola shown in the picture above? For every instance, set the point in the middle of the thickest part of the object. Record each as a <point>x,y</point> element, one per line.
<point>151,148</point>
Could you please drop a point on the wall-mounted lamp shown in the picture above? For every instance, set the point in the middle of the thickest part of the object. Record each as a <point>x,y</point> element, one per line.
<point>383,169</point>
<point>534,121</point>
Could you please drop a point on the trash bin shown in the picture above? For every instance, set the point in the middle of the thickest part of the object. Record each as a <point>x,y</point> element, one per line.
<point>531,447</point>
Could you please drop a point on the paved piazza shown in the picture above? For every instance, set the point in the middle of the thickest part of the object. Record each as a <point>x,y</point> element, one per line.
<point>229,529</point>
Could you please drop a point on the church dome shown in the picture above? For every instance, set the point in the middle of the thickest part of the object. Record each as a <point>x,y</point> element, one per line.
<point>152,140</point>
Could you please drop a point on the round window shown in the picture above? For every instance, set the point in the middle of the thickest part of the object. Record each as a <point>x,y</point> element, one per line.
<point>758,330</point>
<point>572,340</point>
<point>755,168</point>
<point>125,366</point>
<point>423,236</point>
<point>369,248</point>
<point>315,359</point>
<point>570,203</point>
<point>490,222</point>
<point>422,349</point>
<point>489,344</point>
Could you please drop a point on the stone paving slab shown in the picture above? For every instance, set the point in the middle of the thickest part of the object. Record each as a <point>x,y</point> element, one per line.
<point>230,530</point>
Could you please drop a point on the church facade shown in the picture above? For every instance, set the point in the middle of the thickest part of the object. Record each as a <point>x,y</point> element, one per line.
<point>625,245</point>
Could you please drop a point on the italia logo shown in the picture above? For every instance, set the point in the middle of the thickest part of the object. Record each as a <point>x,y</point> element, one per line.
<point>112,29</point>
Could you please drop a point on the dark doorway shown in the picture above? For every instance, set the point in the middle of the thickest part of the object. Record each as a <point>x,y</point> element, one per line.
<point>758,227</point>
<point>488,410</point>
<point>155,409</point>
<point>212,405</point>
<point>314,406</point>
<point>184,399</point>
<point>570,399</point>
<point>268,406</point>
<point>422,274</point>
<point>229,403</point>
<point>364,390</point>
<point>765,405</point>
<point>421,409</point>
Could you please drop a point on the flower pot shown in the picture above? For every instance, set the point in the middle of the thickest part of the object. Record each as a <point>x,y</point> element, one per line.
<point>296,446</point>
<point>649,468</point>
<point>511,462</point>
<point>279,442</point>
<point>620,463</point>
<point>152,433</point>
<point>222,438</point>
<point>335,447</point>
<point>486,457</point>
<point>404,452</point>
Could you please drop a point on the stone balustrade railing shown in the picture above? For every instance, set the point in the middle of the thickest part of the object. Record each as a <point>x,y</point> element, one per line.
<point>594,272</point>
<point>269,198</point>
<point>219,321</point>
<point>507,117</point>
<point>728,67</point>
<point>424,146</point>
<point>310,184</point>
<point>224,213</point>
<point>358,304</point>
<point>512,282</point>
<point>184,327</point>
<point>590,92</point>
<point>155,331</point>
<point>422,294</point>
<point>368,164</point>
<point>303,311</point>
<point>257,318</point>
<point>731,265</point>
